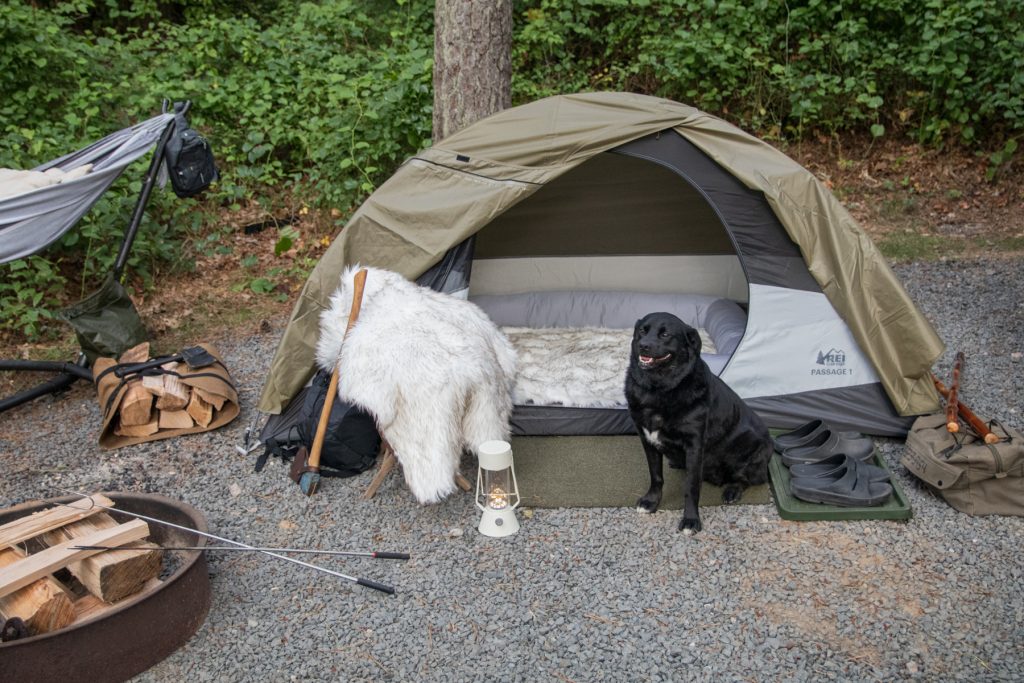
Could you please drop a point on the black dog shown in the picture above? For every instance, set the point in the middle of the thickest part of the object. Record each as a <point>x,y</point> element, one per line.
<point>686,413</point>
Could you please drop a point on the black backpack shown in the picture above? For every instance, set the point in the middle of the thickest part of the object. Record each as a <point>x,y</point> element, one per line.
<point>190,162</point>
<point>351,442</point>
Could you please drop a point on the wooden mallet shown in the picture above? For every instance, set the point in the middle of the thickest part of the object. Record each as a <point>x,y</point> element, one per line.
<point>309,481</point>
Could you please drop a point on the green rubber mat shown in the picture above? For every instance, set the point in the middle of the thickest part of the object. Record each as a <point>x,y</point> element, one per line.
<point>601,471</point>
<point>790,507</point>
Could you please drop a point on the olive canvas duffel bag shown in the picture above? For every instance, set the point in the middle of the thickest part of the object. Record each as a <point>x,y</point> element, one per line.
<point>971,475</point>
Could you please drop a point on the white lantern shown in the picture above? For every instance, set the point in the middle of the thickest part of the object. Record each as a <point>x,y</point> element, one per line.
<point>497,492</point>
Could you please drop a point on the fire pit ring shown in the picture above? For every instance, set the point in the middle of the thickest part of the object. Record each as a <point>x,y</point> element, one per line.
<point>140,630</point>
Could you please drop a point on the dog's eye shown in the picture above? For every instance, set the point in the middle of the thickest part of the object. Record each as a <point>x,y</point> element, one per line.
<point>663,334</point>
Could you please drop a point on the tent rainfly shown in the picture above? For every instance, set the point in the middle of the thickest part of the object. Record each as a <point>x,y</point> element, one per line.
<point>594,209</point>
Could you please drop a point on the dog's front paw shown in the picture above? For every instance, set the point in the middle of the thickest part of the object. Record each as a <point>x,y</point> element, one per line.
<point>732,493</point>
<point>690,525</point>
<point>649,503</point>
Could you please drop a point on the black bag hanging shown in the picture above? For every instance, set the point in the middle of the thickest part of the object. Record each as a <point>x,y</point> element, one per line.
<point>351,442</point>
<point>190,162</point>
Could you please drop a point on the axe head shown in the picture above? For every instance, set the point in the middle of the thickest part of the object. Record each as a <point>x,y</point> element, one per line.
<point>309,482</point>
<point>197,357</point>
<point>298,464</point>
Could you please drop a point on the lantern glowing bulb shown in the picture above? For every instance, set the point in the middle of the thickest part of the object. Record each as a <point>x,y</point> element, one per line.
<point>497,493</point>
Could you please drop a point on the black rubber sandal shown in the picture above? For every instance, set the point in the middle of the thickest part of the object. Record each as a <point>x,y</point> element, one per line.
<point>829,443</point>
<point>835,467</point>
<point>806,433</point>
<point>799,436</point>
<point>853,489</point>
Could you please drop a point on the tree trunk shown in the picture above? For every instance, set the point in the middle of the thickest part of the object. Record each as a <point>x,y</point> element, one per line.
<point>472,62</point>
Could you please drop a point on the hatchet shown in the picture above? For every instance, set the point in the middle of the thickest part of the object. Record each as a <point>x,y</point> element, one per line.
<point>309,480</point>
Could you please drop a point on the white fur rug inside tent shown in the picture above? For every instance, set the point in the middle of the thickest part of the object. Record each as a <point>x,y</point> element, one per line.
<point>582,367</point>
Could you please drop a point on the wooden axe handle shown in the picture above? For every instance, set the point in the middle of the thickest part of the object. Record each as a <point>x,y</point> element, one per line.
<point>332,389</point>
<point>968,415</point>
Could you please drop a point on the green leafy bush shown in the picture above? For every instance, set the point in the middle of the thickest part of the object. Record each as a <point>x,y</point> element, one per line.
<point>941,71</point>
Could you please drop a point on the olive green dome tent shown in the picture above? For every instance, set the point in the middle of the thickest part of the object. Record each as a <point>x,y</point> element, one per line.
<point>611,202</point>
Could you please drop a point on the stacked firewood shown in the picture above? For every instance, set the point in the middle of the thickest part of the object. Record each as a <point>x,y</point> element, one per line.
<point>162,401</point>
<point>38,596</point>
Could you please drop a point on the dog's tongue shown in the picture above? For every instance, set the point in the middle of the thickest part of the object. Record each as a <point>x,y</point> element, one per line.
<point>646,359</point>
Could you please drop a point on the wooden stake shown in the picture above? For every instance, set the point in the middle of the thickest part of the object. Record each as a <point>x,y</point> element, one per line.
<point>40,522</point>
<point>968,415</point>
<point>388,462</point>
<point>952,425</point>
<point>43,605</point>
<point>25,571</point>
<point>112,575</point>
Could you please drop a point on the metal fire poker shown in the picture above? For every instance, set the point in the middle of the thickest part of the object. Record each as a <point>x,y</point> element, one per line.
<point>377,555</point>
<point>354,579</point>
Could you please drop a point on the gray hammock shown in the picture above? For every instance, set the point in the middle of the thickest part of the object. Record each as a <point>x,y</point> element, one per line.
<point>33,220</point>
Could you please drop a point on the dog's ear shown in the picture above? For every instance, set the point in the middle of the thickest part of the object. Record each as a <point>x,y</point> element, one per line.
<point>693,339</point>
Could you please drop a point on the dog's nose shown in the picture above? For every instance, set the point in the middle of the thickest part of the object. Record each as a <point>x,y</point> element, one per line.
<point>644,349</point>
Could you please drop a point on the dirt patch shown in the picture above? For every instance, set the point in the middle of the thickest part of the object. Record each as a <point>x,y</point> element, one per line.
<point>861,585</point>
<point>894,189</point>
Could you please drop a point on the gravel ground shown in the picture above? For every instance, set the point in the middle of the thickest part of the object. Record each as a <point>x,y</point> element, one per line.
<point>580,594</point>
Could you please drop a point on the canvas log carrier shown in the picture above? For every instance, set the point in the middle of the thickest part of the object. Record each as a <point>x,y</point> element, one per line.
<point>972,476</point>
<point>212,382</point>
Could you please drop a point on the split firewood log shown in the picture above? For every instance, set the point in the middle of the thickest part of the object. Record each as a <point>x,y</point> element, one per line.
<point>151,427</point>
<point>28,569</point>
<point>175,394</point>
<point>38,523</point>
<point>176,419</point>
<point>43,605</point>
<point>213,399</point>
<point>200,410</point>
<point>114,574</point>
<point>137,404</point>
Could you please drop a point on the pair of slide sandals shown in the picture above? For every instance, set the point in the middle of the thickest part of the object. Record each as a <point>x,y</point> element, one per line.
<point>831,467</point>
<point>840,480</point>
<point>817,441</point>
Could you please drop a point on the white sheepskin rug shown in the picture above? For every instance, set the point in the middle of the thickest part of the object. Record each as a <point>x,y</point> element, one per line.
<point>581,367</point>
<point>433,370</point>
